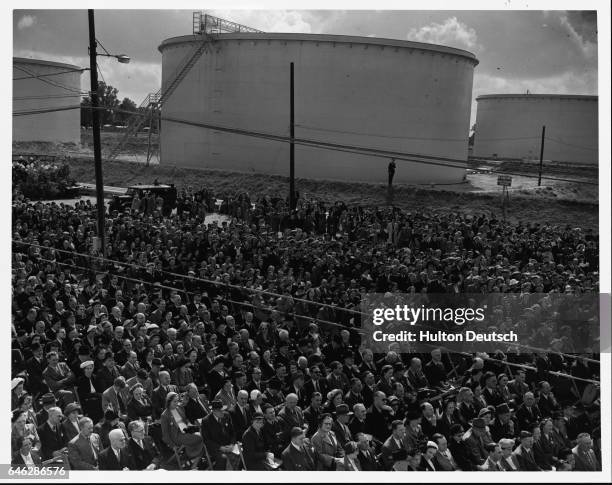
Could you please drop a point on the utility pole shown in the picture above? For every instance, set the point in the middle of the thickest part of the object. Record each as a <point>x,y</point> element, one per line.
<point>95,116</point>
<point>292,145</point>
<point>541,156</point>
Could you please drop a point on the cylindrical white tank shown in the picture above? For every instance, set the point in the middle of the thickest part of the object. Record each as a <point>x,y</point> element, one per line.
<point>42,85</point>
<point>510,126</point>
<point>379,93</point>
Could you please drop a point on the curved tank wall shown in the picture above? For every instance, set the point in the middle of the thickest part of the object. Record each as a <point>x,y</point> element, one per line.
<point>57,87</point>
<point>510,126</point>
<point>387,94</point>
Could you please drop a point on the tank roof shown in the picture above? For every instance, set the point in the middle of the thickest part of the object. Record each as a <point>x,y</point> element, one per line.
<point>578,97</point>
<point>347,39</point>
<point>40,62</point>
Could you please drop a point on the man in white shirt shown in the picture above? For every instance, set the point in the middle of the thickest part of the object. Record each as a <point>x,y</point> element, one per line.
<point>443,459</point>
<point>116,456</point>
<point>26,456</point>
<point>508,461</point>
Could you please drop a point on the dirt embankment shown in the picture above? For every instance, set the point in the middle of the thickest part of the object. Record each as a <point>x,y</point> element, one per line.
<point>544,206</point>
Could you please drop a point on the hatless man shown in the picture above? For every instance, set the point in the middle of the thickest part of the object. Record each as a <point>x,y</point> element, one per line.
<point>116,456</point>
<point>297,456</point>
<point>83,449</point>
<point>142,448</point>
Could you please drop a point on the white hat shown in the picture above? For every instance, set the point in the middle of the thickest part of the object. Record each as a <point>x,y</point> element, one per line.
<point>431,444</point>
<point>91,327</point>
<point>87,363</point>
<point>16,381</point>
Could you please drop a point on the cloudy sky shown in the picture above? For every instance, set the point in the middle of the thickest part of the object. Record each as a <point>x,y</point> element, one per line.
<point>543,51</point>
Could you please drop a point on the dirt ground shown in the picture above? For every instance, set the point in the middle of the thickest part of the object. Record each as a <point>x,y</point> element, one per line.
<point>555,202</point>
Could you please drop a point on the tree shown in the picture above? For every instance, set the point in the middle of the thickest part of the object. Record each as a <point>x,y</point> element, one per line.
<point>107,98</point>
<point>126,105</point>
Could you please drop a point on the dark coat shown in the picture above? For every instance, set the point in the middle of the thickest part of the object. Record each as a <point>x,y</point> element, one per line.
<point>254,449</point>
<point>240,421</point>
<point>50,440</point>
<point>108,460</point>
<point>143,457</point>
<point>294,460</point>
<point>461,454</point>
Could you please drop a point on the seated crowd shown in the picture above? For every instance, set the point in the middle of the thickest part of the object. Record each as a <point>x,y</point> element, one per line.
<point>236,344</point>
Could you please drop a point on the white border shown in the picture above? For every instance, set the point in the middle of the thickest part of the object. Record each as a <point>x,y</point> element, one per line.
<point>603,8</point>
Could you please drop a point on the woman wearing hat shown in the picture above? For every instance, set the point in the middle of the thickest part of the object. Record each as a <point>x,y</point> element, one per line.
<point>139,405</point>
<point>70,426</point>
<point>176,427</point>
<point>21,428</point>
<point>16,391</point>
<point>334,399</point>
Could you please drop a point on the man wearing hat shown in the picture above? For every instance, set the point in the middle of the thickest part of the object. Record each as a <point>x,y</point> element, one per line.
<point>475,440</point>
<point>70,425</point>
<point>524,453</point>
<point>502,426</point>
<point>48,401</point>
<point>255,451</point>
<point>297,456</point>
<point>218,434</point>
<point>340,427</point>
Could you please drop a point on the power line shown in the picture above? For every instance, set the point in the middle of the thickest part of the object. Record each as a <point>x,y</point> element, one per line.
<point>37,76</point>
<point>242,288</point>
<point>43,110</point>
<point>357,150</point>
<point>570,144</point>
<point>47,81</point>
<point>379,136</point>
<point>48,96</point>
<point>327,322</point>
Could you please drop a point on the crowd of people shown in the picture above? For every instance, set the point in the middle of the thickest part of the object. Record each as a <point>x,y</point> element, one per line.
<point>236,344</point>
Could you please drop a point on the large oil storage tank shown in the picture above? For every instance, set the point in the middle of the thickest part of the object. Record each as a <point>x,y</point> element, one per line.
<point>510,126</point>
<point>385,94</point>
<point>45,85</point>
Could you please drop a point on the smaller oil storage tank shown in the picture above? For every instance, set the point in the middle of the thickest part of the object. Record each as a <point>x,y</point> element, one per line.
<point>44,86</point>
<point>509,126</point>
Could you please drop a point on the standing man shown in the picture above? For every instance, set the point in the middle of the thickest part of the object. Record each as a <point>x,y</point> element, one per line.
<point>391,170</point>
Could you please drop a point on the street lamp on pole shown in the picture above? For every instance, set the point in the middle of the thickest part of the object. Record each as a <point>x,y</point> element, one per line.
<point>95,116</point>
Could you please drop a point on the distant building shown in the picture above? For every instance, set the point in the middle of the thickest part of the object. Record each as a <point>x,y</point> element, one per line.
<point>510,126</point>
<point>42,85</point>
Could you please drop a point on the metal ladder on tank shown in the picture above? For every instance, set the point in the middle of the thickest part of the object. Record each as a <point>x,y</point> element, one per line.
<point>151,105</point>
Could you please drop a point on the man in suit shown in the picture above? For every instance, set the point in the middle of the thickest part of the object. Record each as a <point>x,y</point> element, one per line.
<point>158,399</point>
<point>297,456</point>
<point>218,434</point>
<point>524,453</point>
<point>458,449</point>
<point>351,462</point>
<point>240,413</point>
<point>327,446</point>
<point>585,457</point>
<point>528,413</point>
<point>337,379</point>
<point>474,441</point>
<point>116,456</point>
<point>443,459</point>
<point>340,426</point>
<point>354,395</point>
<point>115,398</point>
<point>377,417</point>
<point>290,416</point>
<point>508,461</point>
<point>57,375</point>
<point>316,383</point>
<point>393,443</point>
<point>358,423</point>
<point>254,447</point>
<point>518,387</point>
<point>51,435</point>
<point>142,448</point>
<point>312,413</point>
<point>366,455</point>
<point>82,450</point>
<point>25,454</point>
<point>491,464</point>
<point>35,366</point>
